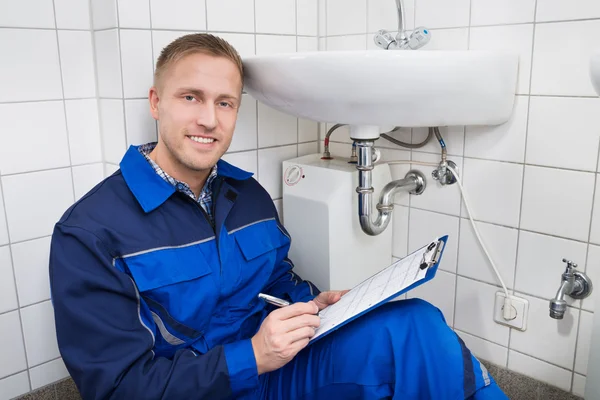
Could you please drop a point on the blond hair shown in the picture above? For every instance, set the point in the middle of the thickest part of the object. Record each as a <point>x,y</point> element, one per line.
<point>196,43</point>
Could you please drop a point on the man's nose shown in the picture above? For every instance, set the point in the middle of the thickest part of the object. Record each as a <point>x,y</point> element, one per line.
<point>208,117</point>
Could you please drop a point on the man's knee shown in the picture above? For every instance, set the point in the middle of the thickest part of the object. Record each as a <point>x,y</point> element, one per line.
<point>411,307</point>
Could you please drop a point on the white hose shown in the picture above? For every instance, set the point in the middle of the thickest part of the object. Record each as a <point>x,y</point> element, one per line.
<point>506,311</point>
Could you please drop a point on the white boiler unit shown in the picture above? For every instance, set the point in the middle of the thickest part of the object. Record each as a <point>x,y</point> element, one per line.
<point>320,211</point>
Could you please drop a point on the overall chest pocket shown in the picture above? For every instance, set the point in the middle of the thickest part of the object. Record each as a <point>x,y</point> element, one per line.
<point>259,244</point>
<point>178,287</point>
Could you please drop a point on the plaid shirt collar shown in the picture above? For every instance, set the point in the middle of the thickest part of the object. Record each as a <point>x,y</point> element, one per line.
<point>204,199</point>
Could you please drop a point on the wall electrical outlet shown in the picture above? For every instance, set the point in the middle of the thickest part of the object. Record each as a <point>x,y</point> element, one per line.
<point>520,309</point>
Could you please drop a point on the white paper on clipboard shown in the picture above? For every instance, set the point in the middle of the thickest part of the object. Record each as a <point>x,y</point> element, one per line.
<point>389,283</point>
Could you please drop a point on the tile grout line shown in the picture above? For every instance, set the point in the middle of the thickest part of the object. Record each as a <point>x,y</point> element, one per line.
<point>154,57</point>
<point>519,230</point>
<point>516,351</point>
<point>585,265</point>
<point>362,33</point>
<point>205,16</point>
<point>257,102</point>
<point>35,171</point>
<point>122,77</point>
<point>524,164</point>
<point>97,88</point>
<point>296,42</point>
<point>12,262</point>
<point>21,307</point>
<point>64,103</point>
<point>461,195</point>
<point>144,98</point>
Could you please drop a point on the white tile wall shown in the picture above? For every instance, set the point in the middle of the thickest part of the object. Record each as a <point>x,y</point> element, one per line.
<point>18,14</point>
<point>531,181</point>
<point>426,225</point>
<point>83,126</point>
<point>547,339</point>
<point>34,73</point>
<point>560,65</point>
<point>15,385</point>
<point>285,23</point>
<point>108,64</point>
<point>23,206</point>
<point>12,347</point>
<point>47,373</point>
<point>354,17</point>
<point>105,111</point>
<point>583,343</point>
<point>134,13</point>
<point>501,243</point>
<point>38,320</point>
<point>513,38</point>
<point>77,63</point>
<point>474,300</point>
<point>221,17</point>
<point>8,292</point>
<point>269,167</point>
<point>485,349</point>
<point>140,126</point>
<point>113,130</point>
<point>3,227</point>
<point>551,120</point>
<point>85,177</point>
<point>178,14</point>
<point>270,44</point>
<point>491,12</point>
<point>493,200</point>
<point>505,142</point>
<point>557,10</point>
<point>30,259</point>
<point>442,13</point>
<point>593,271</point>
<point>275,128</point>
<point>136,59</point>
<point>307,18</point>
<point>540,370</point>
<point>578,385</point>
<point>440,293</point>
<point>104,14</point>
<point>380,15</point>
<point>546,190</point>
<point>72,14</point>
<point>29,145</point>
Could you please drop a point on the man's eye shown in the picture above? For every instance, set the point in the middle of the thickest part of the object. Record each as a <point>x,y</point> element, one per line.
<point>189,98</point>
<point>225,104</point>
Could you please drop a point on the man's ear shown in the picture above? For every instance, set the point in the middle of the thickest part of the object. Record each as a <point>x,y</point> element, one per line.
<point>153,98</point>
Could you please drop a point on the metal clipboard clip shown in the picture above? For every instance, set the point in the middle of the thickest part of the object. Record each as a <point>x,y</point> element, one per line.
<point>437,248</point>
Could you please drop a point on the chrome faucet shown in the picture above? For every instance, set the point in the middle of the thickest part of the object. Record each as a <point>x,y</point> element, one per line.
<point>573,283</point>
<point>417,39</point>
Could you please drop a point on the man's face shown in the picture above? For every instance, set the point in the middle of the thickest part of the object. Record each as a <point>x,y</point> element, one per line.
<point>196,105</point>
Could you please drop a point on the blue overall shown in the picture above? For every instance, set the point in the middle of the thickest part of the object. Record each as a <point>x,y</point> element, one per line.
<point>153,300</point>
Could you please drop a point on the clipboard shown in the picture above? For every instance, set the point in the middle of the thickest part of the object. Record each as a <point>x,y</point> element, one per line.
<point>382,287</point>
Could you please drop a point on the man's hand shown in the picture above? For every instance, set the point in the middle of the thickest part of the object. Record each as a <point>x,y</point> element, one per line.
<point>325,299</point>
<point>283,334</point>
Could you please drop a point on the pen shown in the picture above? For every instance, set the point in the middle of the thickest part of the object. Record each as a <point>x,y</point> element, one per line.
<point>274,300</point>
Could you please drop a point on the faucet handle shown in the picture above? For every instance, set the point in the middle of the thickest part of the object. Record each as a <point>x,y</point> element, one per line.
<point>384,39</point>
<point>570,264</point>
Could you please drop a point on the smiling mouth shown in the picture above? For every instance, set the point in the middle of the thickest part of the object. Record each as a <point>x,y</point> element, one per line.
<point>203,140</point>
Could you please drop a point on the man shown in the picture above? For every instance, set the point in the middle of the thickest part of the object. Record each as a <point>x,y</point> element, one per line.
<point>155,275</point>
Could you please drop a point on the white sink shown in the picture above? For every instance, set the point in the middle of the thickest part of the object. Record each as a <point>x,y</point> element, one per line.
<point>382,88</point>
<point>595,70</point>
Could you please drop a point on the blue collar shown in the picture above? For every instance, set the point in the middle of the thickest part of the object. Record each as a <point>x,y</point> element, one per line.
<point>150,189</point>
